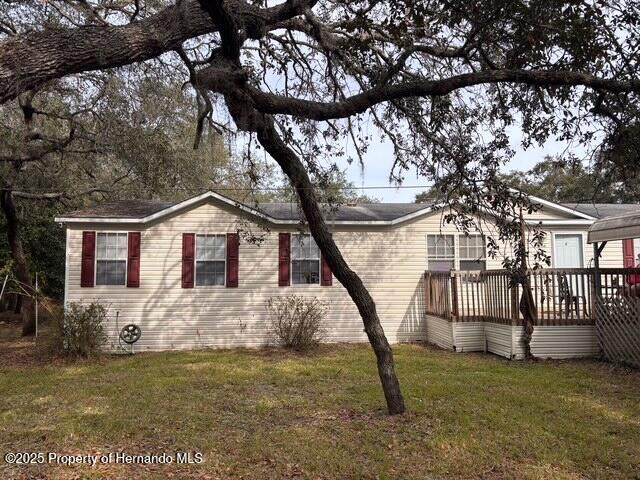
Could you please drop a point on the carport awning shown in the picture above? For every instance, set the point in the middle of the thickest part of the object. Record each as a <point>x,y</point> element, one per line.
<point>615,228</point>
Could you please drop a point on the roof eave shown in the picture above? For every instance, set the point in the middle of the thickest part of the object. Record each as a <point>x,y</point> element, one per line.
<point>618,227</point>
<point>275,221</point>
<point>559,223</point>
<point>556,206</point>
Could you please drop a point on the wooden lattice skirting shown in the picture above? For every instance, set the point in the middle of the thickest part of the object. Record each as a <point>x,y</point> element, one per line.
<point>618,328</point>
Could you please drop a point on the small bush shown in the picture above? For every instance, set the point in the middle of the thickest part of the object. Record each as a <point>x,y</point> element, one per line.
<point>296,322</point>
<point>80,331</point>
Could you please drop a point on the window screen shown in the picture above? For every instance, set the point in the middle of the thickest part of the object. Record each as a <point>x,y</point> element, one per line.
<point>211,256</point>
<point>440,252</point>
<point>305,260</point>
<point>473,252</point>
<point>111,258</point>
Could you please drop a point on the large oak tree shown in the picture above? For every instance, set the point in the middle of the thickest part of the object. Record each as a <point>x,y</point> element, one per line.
<point>442,80</point>
<point>94,137</point>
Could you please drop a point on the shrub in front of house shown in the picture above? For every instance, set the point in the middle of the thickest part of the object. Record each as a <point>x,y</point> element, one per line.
<point>296,322</point>
<point>79,332</point>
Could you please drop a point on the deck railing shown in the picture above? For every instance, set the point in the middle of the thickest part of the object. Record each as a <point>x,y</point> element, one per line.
<point>437,294</point>
<point>563,296</point>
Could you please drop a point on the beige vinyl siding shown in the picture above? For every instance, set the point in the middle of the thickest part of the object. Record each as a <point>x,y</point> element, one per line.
<point>550,213</point>
<point>611,256</point>
<point>390,260</point>
<point>569,341</point>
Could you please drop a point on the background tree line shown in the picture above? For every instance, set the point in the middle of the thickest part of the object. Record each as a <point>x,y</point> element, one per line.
<point>567,180</point>
<point>125,134</point>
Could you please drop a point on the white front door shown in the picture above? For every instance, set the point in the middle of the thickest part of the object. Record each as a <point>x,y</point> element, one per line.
<point>568,250</point>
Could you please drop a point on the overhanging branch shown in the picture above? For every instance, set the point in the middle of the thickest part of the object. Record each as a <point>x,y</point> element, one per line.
<point>277,104</point>
<point>31,59</point>
<point>56,195</point>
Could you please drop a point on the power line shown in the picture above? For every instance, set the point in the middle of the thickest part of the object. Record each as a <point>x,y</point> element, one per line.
<point>261,189</point>
<point>368,187</point>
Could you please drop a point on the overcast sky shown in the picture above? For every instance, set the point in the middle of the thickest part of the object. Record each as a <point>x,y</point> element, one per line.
<point>379,159</point>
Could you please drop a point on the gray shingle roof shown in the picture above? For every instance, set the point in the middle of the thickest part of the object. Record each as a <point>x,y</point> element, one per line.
<point>122,209</point>
<point>601,210</point>
<point>362,212</point>
<point>616,227</point>
<point>279,211</point>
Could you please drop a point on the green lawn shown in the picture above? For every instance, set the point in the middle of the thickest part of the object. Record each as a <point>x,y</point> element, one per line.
<point>268,414</point>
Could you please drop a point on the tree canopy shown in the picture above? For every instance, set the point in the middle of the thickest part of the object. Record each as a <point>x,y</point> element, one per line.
<point>99,137</point>
<point>442,81</point>
<point>568,180</point>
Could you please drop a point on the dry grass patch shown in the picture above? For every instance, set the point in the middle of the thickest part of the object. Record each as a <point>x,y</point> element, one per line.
<point>273,414</point>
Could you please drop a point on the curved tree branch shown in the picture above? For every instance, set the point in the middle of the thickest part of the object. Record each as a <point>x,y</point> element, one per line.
<point>31,59</point>
<point>277,104</point>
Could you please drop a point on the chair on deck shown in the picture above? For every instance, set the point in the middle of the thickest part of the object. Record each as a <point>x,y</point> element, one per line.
<point>566,296</point>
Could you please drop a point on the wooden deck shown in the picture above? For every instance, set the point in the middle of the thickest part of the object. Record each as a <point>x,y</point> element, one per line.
<point>563,296</point>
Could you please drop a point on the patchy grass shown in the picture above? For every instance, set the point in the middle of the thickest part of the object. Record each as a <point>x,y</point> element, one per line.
<point>270,414</point>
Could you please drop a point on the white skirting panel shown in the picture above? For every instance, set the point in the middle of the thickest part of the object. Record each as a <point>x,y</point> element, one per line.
<point>439,332</point>
<point>499,339</point>
<point>469,336</point>
<point>572,341</point>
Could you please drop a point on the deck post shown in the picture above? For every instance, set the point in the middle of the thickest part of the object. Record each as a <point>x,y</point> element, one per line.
<point>427,292</point>
<point>597,281</point>
<point>454,296</point>
<point>596,267</point>
<point>515,311</point>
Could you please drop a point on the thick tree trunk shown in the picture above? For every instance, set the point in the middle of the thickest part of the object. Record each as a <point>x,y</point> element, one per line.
<point>293,168</point>
<point>235,88</point>
<point>529,315</point>
<point>11,302</point>
<point>19,262</point>
<point>17,306</point>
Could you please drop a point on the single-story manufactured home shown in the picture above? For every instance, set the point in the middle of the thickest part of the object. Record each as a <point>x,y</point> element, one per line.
<point>188,276</point>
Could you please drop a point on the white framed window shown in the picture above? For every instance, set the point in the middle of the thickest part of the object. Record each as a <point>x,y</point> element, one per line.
<point>441,252</point>
<point>111,258</point>
<point>472,252</point>
<point>211,260</point>
<point>305,260</point>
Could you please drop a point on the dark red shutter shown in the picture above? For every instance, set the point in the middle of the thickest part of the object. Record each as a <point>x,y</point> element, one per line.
<point>88,259</point>
<point>325,273</point>
<point>188,252</point>
<point>628,259</point>
<point>133,262</point>
<point>284,259</point>
<point>233,244</point>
